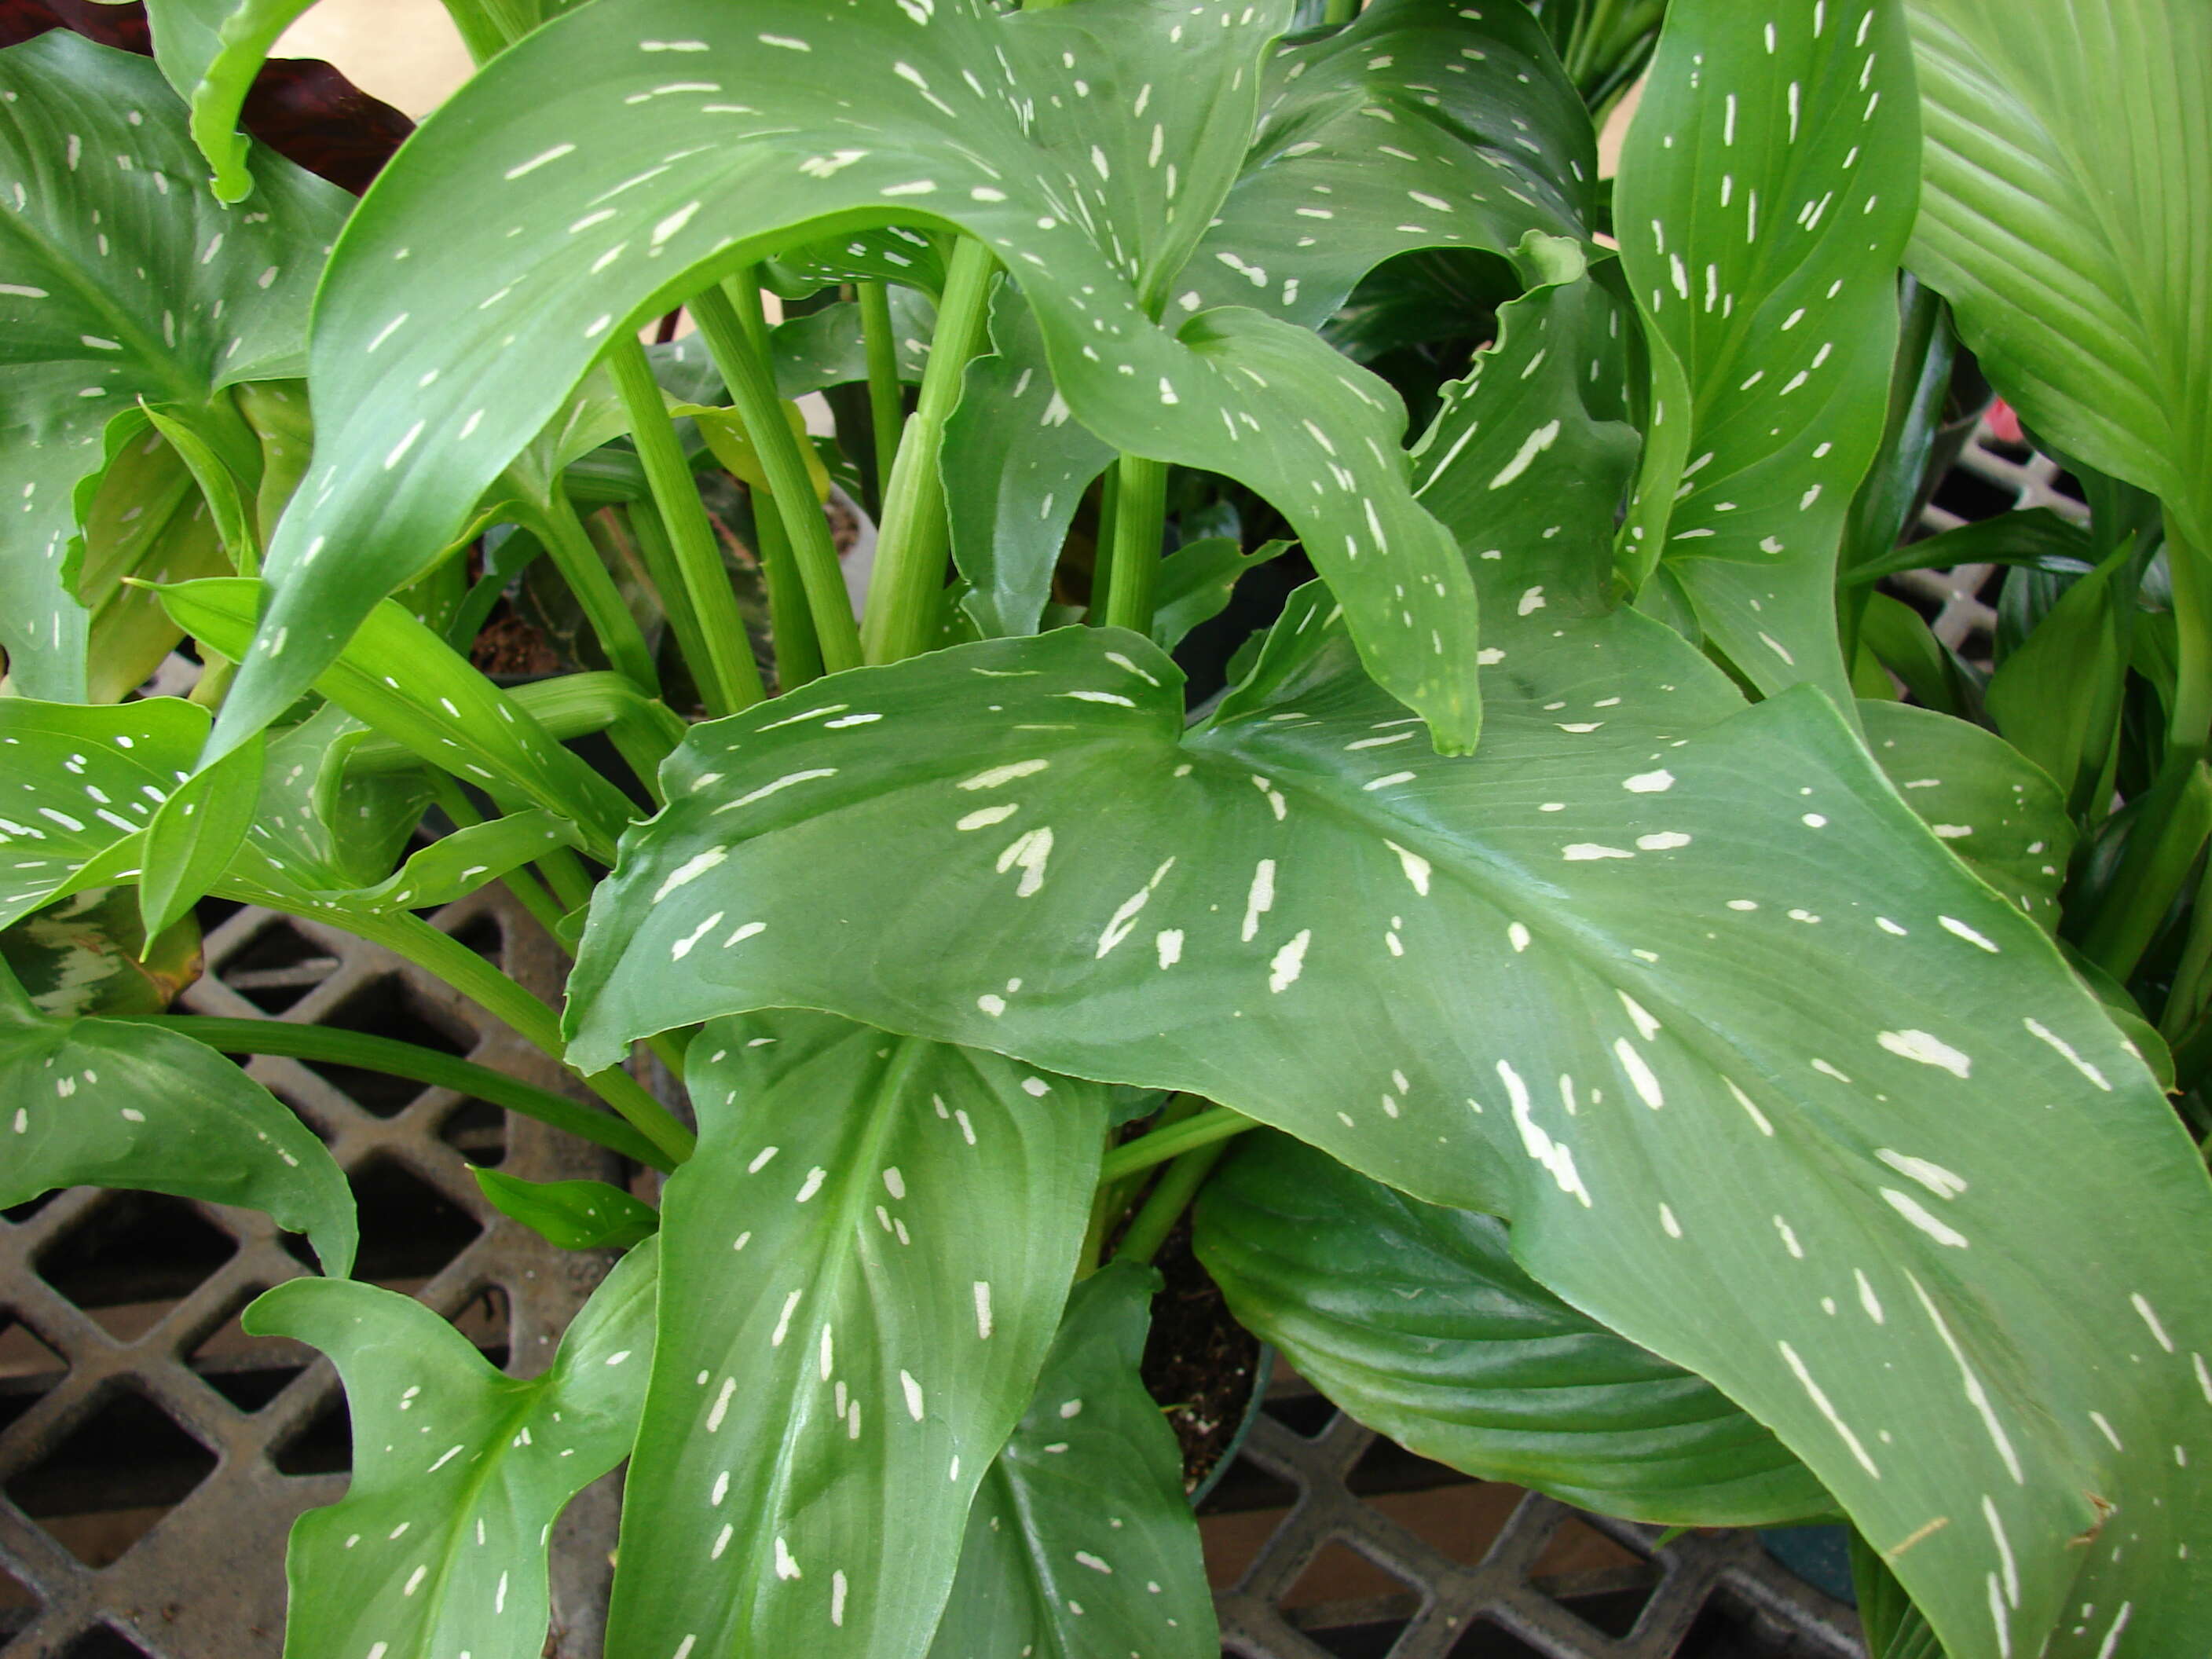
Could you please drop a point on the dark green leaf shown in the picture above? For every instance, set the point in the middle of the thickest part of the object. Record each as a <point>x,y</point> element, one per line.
<point>459,1472</point>
<point>2056,695</point>
<point>1765,194</point>
<point>1040,162</point>
<point>867,1261</point>
<point>196,832</point>
<point>1081,1544</point>
<point>110,1104</point>
<point>575,1215</point>
<point>1416,1320</point>
<point>119,280</point>
<point>2035,536</point>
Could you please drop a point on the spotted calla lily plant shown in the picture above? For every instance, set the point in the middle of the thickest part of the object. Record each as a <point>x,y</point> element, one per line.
<point>1602,1032</point>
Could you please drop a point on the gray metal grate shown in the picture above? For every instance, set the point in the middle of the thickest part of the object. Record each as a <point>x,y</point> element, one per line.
<point>152,1457</point>
<point>1710,1594</point>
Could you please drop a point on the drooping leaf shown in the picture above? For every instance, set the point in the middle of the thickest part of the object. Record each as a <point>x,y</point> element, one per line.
<point>1765,194</point>
<point>866,1260</point>
<point>1073,197</point>
<point>111,1103</point>
<point>1563,981</point>
<point>438,1546</point>
<point>194,835</point>
<point>1989,804</point>
<point>1416,1321</point>
<point>1016,467</point>
<point>2067,183</point>
<point>88,954</point>
<point>119,279</point>
<point>1080,1544</point>
<point>574,1215</point>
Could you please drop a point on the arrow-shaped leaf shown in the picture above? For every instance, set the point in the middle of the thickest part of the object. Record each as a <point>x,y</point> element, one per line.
<point>458,1471</point>
<point>111,1103</point>
<point>1563,981</point>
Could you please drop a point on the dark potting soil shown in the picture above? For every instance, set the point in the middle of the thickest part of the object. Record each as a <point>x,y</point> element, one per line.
<point>1199,1362</point>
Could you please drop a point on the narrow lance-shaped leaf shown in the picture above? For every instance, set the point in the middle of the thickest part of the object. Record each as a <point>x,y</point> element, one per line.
<point>118,280</point>
<point>1010,126</point>
<point>2067,181</point>
<point>1562,982</point>
<point>109,1103</point>
<point>438,1546</point>
<point>1764,195</point>
<point>1081,1544</point>
<point>866,1258</point>
<point>1416,1320</point>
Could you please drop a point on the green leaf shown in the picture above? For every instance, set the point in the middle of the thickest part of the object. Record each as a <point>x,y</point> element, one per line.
<point>1765,194</point>
<point>1994,808</point>
<point>142,517</point>
<point>2057,695</point>
<point>88,954</point>
<point>195,834</point>
<point>458,864</point>
<point>1416,1321</point>
<point>443,710</point>
<point>211,50</point>
<point>119,280</point>
<point>1196,582</point>
<point>2035,536</point>
<point>459,1472</point>
<point>2067,182</point>
<point>110,1104</point>
<point>574,1215</point>
<point>82,779</point>
<point>867,1261</point>
<point>1596,930</point>
<point>1042,163</point>
<point>1081,1544</point>
<point>1419,126</point>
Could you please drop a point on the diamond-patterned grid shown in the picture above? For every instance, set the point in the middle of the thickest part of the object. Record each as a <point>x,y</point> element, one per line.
<point>152,1457</point>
